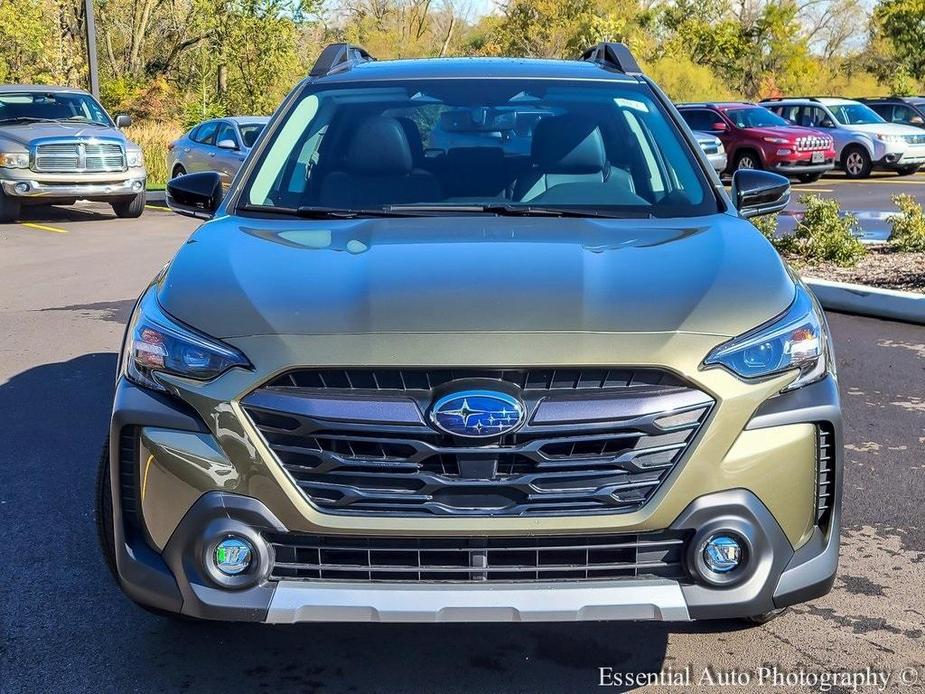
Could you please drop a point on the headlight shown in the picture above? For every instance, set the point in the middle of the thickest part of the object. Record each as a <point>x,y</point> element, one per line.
<point>14,160</point>
<point>777,140</point>
<point>134,158</point>
<point>156,343</point>
<point>891,138</point>
<point>794,340</point>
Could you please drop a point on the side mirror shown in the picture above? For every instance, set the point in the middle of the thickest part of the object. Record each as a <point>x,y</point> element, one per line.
<point>917,120</point>
<point>195,195</point>
<point>226,144</point>
<point>719,126</point>
<point>123,121</point>
<point>756,192</point>
<point>827,124</point>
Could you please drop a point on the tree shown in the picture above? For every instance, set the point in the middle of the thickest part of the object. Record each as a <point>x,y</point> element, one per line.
<point>901,24</point>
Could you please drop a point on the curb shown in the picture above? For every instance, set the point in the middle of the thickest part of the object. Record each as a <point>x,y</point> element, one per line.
<point>156,196</point>
<point>862,300</point>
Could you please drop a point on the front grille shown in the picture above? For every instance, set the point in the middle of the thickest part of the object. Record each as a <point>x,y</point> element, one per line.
<point>454,559</point>
<point>79,157</point>
<point>812,142</point>
<point>596,440</point>
<point>825,474</point>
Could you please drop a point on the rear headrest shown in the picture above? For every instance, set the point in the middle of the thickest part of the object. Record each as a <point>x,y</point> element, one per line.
<point>568,144</point>
<point>379,147</point>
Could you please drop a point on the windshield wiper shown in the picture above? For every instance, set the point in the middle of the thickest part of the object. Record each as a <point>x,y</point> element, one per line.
<point>312,212</point>
<point>507,210</point>
<point>36,119</point>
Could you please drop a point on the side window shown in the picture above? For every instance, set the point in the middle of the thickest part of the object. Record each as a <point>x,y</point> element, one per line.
<point>226,132</point>
<point>901,114</point>
<point>820,116</point>
<point>885,111</point>
<point>700,119</point>
<point>206,133</point>
<point>791,113</point>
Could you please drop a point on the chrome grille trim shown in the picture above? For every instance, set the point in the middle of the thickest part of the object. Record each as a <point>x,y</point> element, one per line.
<point>79,156</point>
<point>810,143</point>
<point>582,451</point>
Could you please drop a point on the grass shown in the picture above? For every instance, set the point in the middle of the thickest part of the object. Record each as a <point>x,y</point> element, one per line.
<point>153,139</point>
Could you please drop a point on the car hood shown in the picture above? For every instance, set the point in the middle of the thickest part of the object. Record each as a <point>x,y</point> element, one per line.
<point>885,128</point>
<point>237,277</point>
<point>24,133</point>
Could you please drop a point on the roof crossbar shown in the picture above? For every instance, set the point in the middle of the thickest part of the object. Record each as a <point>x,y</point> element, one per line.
<point>616,56</point>
<point>338,57</point>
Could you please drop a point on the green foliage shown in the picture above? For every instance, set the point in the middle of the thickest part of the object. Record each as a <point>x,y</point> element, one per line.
<point>153,139</point>
<point>902,83</point>
<point>824,234</point>
<point>901,25</point>
<point>682,80</point>
<point>908,227</point>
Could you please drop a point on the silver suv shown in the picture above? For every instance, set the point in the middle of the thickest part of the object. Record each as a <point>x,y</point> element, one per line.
<point>863,140</point>
<point>58,145</point>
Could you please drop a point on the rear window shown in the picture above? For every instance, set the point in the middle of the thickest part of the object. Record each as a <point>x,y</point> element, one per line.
<point>602,146</point>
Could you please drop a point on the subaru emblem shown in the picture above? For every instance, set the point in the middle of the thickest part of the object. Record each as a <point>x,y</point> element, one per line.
<point>477,413</point>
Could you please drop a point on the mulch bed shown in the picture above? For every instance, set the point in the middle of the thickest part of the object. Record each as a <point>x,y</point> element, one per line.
<point>882,267</point>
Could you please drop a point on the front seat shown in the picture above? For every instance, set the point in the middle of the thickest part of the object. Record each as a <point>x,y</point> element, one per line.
<point>567,149</point>
<point>378,170</point>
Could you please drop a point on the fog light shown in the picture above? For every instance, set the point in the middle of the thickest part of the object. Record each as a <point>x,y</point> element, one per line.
<point>722,554</point>
<point>136,185</point>
<point>21,188</point>
<point>232,556</point>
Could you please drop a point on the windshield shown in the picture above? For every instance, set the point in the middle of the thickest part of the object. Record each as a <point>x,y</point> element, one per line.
<point>52,106</point>
<point>605,148</point>
<point>855,114</point>
<point>755,117</point>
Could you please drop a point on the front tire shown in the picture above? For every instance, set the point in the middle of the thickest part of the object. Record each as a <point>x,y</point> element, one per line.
<point>9,208</point>
<point>130,208</point>
<point>105,529</point>
<point>747,160</point>
<point>908,170</point>
<point>809,178</point>
<point>856,162</point>
<point>178,170</point>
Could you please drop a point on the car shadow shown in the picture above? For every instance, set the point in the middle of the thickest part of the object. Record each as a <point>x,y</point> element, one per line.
<point>67,609</point>
<point>80,212</point>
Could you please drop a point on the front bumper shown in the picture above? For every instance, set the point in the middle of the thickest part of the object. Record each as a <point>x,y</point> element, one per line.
<point>171,575</point>
<point>33,189</point>
<point>796,168</point>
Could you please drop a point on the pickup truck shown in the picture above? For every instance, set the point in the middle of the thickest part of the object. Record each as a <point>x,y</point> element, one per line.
<point>58,145</point>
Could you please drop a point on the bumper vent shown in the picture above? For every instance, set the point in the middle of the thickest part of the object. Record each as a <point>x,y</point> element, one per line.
<point>825,474</point>
<point>128,478</point>
<point>462,560</point>
<point>595,441</point>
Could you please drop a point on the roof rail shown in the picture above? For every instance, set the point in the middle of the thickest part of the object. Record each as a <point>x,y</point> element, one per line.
<point>337,57</point>
<point>769,99</point>
<point>616,56</point>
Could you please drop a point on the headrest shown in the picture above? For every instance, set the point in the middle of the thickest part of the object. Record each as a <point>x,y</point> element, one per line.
<point>571,143</point>
<point>379,147</point>
<point>413,135</point>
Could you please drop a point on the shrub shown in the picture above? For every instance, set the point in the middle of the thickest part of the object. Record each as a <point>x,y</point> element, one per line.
<point>153,139</point>
<point>908,227</point>
<point>825,233</point>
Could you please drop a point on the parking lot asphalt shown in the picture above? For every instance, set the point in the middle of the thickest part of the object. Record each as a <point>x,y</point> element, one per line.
<point>64,298</point>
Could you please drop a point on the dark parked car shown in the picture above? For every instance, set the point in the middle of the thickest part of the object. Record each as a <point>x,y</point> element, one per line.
<point>215,145</point>
<point>905,110</point>
<point>755,138</point>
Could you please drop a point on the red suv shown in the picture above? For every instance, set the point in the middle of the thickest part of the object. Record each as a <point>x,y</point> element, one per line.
<point>755,138</point>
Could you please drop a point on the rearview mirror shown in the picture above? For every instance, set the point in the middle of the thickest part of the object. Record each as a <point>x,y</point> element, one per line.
<point>123,121</point>
<point>196,194</point>
<point>756,192</point>
<point>226,144</point>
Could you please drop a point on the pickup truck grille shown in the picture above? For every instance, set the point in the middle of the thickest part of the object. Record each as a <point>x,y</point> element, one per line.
<point>595,441</point>
<point>463,559</point>
<point>79,157</point>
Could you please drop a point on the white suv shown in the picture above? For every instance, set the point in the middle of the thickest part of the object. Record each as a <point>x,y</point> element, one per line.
<point>863,140</point>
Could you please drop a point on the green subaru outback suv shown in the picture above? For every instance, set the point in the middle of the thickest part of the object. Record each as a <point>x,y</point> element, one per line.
<point>474,340</point>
